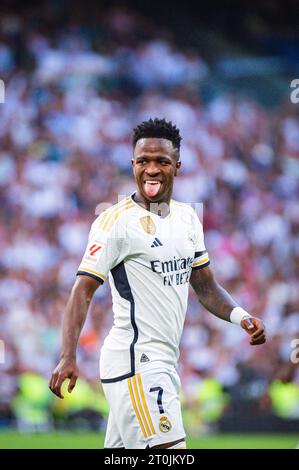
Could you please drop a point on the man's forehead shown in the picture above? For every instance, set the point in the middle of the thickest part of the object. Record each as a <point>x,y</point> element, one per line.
<point>153,145</point>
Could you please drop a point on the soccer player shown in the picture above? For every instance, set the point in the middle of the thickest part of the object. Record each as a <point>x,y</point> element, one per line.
<point>151,247</point>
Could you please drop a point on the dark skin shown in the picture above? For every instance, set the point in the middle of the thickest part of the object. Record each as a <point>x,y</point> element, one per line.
<point>73,321</point>
<point>219,302</point>
<point>154,159</point>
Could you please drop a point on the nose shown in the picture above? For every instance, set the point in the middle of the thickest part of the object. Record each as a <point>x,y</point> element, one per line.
<point>152,169</point>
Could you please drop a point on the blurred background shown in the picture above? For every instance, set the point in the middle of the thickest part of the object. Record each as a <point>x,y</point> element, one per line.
<point>78,77</point>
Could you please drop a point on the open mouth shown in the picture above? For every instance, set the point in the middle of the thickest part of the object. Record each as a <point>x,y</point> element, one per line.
<point>152,187</point>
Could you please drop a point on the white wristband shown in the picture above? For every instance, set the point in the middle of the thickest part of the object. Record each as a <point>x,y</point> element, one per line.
<point>238,314</point>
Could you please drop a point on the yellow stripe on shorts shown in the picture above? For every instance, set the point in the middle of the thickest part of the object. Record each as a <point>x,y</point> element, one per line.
<point>135,407</point>
<point>145,405</point>
<point>140,405</point>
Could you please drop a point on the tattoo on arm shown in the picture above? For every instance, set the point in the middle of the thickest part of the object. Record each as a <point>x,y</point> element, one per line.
<point>210,294</point>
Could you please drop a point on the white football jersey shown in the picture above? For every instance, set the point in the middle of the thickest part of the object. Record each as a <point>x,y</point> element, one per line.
<point>149,260</point>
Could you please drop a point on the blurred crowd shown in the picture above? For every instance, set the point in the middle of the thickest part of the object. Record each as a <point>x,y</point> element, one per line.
<point>74,90</point>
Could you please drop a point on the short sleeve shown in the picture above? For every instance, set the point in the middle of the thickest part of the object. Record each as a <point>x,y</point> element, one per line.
<point>105,249</point>
<point>201,256</point>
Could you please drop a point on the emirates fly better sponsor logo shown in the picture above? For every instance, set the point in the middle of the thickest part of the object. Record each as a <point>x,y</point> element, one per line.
<point>175,271</point>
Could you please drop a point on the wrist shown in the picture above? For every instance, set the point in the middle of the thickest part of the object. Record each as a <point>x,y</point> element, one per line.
<point>238,314</point>
<point>68,356</point>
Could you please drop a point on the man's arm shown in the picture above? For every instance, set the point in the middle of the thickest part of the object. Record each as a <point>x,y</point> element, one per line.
<point>215,299</point>
<point>73,321</point>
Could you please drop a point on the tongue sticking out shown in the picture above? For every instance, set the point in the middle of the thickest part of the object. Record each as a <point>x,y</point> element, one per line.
<point>151,189</point>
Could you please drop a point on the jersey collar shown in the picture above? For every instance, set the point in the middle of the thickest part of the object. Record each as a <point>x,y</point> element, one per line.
<point>152,213</point>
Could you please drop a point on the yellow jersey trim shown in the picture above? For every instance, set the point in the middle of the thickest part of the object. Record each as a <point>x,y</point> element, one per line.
<point>110,217</point>
<point>105,215</point>
<point>199,263</point>
<point>93,272</point>
<point>113,217</point>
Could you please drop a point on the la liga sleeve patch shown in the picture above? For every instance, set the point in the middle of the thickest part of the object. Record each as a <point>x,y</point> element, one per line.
<point>93,252</point>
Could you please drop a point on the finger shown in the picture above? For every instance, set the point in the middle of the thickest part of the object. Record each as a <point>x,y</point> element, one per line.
<point>260,340</point>
<point>260,328</point>
<point>57,392</point>
<point>58,384</point>
<point>52,381</point>
<point>257,343</point>
<point>58,389</point>
<point>258,333</point>
<point>258,323</point>
<point>249,324</point>
<point>72,383</point>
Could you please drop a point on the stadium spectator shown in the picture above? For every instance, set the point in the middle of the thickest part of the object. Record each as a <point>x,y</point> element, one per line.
<point>73,94</point>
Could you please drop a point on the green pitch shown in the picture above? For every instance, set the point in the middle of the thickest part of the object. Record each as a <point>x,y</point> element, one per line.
<point>13,440</point>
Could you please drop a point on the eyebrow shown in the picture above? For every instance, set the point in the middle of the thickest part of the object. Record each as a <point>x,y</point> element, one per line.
<point>158,156</point>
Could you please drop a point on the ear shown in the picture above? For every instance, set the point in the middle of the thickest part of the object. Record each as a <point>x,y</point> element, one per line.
<point>133,162</point>
<point>177,168</point>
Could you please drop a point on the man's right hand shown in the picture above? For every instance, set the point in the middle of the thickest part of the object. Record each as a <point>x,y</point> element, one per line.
<point>66,369</point>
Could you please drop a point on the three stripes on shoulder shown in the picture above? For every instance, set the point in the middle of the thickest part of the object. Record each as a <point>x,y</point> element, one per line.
<point>108,218</point>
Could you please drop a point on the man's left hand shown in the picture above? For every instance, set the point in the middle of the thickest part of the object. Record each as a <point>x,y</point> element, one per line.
<point>256,329</point>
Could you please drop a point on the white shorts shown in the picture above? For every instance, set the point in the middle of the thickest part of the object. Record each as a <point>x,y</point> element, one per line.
<point>145,410</point>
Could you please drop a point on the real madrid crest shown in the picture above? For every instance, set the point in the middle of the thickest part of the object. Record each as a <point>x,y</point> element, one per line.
<point>164,424</point>
<point>148,225</point>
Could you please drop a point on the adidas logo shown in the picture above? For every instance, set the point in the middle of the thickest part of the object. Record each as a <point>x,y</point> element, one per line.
<point>156,242</point>
<point>144,358</point>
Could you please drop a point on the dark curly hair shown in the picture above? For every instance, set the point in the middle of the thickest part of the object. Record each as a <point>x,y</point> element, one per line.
<point>158,128</point>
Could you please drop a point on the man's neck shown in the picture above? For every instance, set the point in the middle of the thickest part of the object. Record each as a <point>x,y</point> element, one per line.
<point>161,208</point>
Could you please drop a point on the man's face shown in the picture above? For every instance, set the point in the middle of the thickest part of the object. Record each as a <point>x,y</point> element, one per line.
<point>155,164</point>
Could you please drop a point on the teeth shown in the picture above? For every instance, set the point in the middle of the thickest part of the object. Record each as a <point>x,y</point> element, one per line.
<point>153,182</point>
